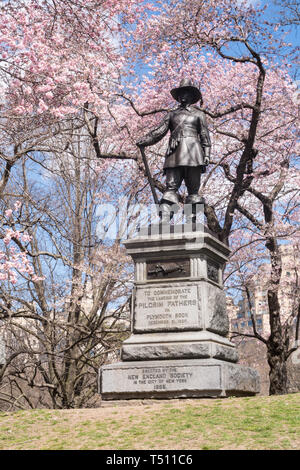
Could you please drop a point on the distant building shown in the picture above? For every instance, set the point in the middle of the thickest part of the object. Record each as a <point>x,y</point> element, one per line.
<point>240,314</point>
<point>252,351</point>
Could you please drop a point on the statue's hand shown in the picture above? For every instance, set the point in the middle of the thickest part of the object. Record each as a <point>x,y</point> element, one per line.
<point>206,160</point>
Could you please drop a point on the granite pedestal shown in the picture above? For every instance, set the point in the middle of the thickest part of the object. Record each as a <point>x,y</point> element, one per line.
<point>179,345</point>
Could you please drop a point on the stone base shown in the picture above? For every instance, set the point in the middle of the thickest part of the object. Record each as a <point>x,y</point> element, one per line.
<point>169,229</point>
<point>181,345</point>
<point>176,379</point>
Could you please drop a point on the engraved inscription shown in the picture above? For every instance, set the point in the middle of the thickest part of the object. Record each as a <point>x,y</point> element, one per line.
<point>167,308</point>
<point>170,269</point>
<point>160,378</point>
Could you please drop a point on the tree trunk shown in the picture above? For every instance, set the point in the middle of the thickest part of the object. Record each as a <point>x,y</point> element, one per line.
<point>277,344</point>
<point>278,366</point>
<point>276,347</point>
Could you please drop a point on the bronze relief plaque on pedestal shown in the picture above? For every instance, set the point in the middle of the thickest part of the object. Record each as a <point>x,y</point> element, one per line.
<point>170,269</point>
<point>212,271</point>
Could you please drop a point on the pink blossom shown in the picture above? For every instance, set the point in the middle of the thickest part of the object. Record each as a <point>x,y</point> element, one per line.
<point>35,278</point>
<point>8,213</point>
<point>42,107</point>
<point>26,237</point>
<point>6,239</point>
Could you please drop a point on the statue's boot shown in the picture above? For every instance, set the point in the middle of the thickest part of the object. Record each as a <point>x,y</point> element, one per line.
<point>168,206</point>
<point>193,205</point>
<point>165,213</point>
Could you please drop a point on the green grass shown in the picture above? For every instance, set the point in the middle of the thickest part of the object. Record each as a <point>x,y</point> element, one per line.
<point>236,423</point>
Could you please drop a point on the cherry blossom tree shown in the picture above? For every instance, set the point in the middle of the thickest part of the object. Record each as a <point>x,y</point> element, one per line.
<point>104,70</point>
<point>242,66</point>
<point>63,288</point>
<point>55,57</point>
<point>63,322</point>
<point>289,12</point>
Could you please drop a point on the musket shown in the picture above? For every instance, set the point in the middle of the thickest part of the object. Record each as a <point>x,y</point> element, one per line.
<point>149,176</point>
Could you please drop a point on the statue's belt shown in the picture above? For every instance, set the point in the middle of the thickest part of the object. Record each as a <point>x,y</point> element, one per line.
<point>178,136</point>
<point>184,133</point>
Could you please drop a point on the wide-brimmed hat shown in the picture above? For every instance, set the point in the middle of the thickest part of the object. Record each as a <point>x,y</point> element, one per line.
<point>187,84</point>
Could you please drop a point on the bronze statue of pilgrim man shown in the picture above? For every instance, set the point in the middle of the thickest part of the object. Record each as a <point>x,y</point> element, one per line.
<point>189,147</point>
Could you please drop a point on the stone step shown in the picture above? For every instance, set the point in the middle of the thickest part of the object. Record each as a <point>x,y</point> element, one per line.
<point>176,379</point>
